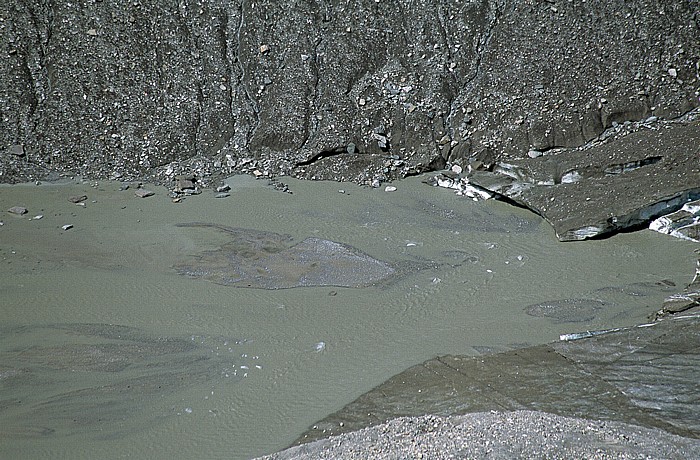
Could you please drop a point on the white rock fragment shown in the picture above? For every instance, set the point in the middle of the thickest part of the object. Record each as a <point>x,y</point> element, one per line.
<point>67,227</point>
<point>143,193</point>
<point>19,210</point>
<point>390,188</point>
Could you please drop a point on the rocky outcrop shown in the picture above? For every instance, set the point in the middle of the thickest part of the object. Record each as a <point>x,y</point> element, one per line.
<point>644,375</point>
<point>602,187</point>
<point>366,90</point>
<point>684,223</point>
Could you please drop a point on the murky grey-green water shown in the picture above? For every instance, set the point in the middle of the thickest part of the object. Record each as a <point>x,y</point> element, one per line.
<point>106,351</point>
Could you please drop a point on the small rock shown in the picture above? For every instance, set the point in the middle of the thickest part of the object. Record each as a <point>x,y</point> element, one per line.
<point>67,227</point>
<point>223,188</point>
<point>38,217</point>
<point>92,32</point>
<point>143,193</point>
<point>351,148</point>
<point>457,169</point>
<point>257,173</point>
<point>19,210</point>
<point>673,72</point>
<point>534,153</point>
<point>184,182</point>
<point>222,195</point>
<point>376,183</point>
<point>77,198</point>
<point>17,150</point>
<point>264,49</point>
<point>390,188</point>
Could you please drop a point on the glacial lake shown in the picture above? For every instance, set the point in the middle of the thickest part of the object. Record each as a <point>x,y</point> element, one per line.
<point>106,351</point>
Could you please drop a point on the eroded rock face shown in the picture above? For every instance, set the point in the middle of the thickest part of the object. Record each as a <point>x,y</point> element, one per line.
<point>604,186</point>
<point>359,90</point>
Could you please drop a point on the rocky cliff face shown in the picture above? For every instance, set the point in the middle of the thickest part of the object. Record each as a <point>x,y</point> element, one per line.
<point>338,89</point>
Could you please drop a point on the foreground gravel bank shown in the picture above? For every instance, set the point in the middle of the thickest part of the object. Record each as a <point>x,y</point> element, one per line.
<point>519,434</point>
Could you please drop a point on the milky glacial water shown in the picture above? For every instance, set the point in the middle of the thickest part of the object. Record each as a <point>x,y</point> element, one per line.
<point>107,352</point>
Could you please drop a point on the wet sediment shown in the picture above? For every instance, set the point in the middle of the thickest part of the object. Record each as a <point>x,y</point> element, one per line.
<point>645,375</point>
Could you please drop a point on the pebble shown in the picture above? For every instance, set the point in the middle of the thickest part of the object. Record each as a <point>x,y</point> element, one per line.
<point>77,198</point>
<point>67,227</point>
<point>17,150</point>
<point>19,210</point>
<point>38,216</point>
<point>143,193</point>
<point>223,188</point>
<point>390,188</point>
<point>222,195</point>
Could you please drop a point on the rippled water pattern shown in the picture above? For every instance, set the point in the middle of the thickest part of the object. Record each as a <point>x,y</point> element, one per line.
<point>107,351</point>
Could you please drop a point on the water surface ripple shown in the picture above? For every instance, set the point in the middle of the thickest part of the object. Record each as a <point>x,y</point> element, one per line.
<point>105,343</point>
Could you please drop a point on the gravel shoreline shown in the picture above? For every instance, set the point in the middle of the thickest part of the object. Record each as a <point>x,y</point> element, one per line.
<point>518,434</point>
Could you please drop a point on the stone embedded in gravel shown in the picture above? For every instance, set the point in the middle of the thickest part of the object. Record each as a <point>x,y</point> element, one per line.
<point>184,182</point>
<point>19,210</point>
<point>77,198</point>
<point>17,150</point>
<point>143,193</point>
